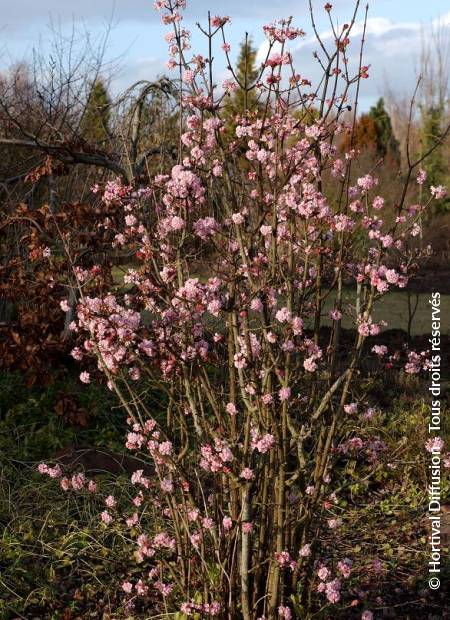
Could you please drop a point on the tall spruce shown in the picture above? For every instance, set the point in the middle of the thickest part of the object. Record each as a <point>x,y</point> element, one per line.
<point>245,97</point>
<point>97,115</point>
<point>386,143</point>
<point>435,165</point>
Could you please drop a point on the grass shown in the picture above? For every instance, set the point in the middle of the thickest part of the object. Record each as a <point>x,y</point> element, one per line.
<point>391,308</point>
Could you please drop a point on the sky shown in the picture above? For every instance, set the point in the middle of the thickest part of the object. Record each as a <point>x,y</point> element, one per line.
<point>136,48</point>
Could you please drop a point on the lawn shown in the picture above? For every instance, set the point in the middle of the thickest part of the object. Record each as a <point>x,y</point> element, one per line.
<point>392,308</point>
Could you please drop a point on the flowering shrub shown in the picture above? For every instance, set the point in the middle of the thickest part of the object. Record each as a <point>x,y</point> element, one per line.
<point>239,245</point>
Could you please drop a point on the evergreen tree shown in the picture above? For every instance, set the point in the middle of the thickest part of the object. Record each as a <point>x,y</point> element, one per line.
<point>386,141</point>
<point>435,164</point>
<point>96,118</point>
<point>431,131</point>
<point>245,97</point>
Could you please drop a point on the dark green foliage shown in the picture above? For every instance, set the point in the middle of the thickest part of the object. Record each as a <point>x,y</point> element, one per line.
<point>436,165</point>
<point>96,118</point>
<point>386,143</point>
<point>245,97</point>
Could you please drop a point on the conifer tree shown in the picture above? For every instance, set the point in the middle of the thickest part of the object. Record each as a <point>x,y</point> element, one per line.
<point>96,118</point>
<point>245,97</point>
<point>386,143</point>
<point>435,165</point>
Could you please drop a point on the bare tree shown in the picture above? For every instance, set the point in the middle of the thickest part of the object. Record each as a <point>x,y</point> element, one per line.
<point>43,109</point>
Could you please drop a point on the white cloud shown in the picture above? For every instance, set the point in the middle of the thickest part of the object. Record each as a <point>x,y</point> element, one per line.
<point>145,68</point>
<point>392,50</point>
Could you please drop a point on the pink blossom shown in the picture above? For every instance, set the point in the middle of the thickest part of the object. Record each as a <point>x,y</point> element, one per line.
<point>131,521</point>
<point>267,399</point>
<point>262,443</point>
<point>421,178</point>
<point>256,305</point>
<point>78,481</point>
<point>207,523</point>
<point>166,485</point>
<point>110,501</point>
<point>227,523</point>
<point>332,591</point>
<point>283,558</point>
<point>345,568</point>
<point>392,276</point>
<point>323,573</point>
<point>65,484</point>
<point>378,202</point>
<point>192,514</point>
<point>285,612</point>
<point>367,182</point>
<point>284,394</point>
<point>310,364</point>
<point>237,218</point>
<point>141,588</point>
<point>240,361</point>
<point>106,517</point>
<point>338,168</point>
<point>343,223</point>
<point>177,223</point>
<point>229,86</point>
<point>438,192</point>
<point>351,408</point>
<point>164,588</point>
<point>435,444</point>
<point>217,170</point>
<point>165,448</point>
<point>305,551</point>
<point>283,315</point>
<point>246,473</point>
<point>218,22</point>
<point>335,314</point>
<point>364,328</point>
<point>265,230</point>
<point>231,409</point>
<point>277,59</point>
<point>85,377</point>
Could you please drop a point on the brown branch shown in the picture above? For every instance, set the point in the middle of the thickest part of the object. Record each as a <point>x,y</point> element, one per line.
<point>68,156</point>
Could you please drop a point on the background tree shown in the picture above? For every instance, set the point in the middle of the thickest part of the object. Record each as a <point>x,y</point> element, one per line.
<point>436,165</point>
<point>373,132</point>
<point>95,124</point>
<point>245,97</point>
<point>434,97</point>
<point>386,142</point>
<point>364,135</point>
